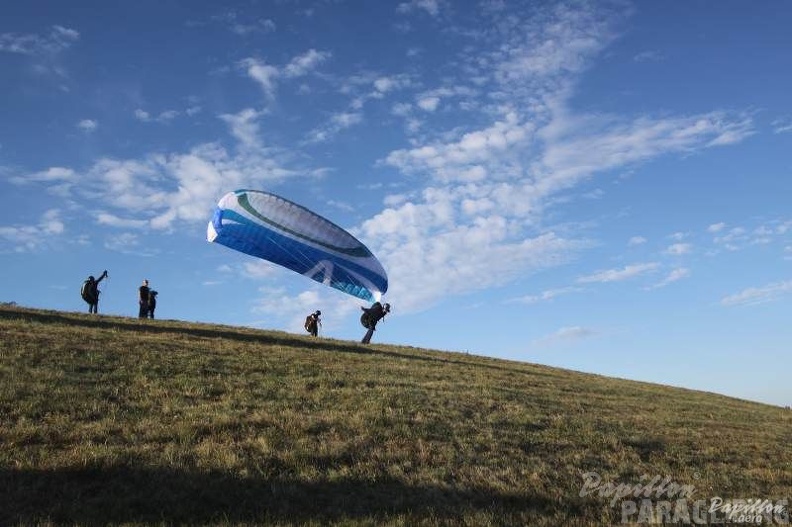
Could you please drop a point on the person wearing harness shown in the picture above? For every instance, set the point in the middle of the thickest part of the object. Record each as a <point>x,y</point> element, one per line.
<point>370,317</point>
<point>90,292</point>
<point>312,323</point>
<point>143,299</point>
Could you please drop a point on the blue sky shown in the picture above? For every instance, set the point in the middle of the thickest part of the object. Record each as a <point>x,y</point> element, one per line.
<point>600,186</point>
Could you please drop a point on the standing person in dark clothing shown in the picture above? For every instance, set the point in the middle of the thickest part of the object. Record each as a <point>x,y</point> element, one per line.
<point>143,299</point>
<point>152,304</point>
<point>90,292</point>
<point>370,317</point>
<point>312,323</point>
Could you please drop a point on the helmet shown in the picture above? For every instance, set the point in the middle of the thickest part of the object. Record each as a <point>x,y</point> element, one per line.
<point>318,312</point>
<point>387,307</point>
<point>91,278</point>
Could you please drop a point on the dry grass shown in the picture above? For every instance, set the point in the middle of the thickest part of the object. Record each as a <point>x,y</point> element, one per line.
<point>115,421</point>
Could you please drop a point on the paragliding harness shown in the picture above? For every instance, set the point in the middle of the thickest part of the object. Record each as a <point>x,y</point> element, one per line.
<point>312,323</point>
<point>90,289</point>
<point>373,314</point>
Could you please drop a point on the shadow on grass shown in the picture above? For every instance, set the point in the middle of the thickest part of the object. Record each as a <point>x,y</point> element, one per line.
<point>127,494</point>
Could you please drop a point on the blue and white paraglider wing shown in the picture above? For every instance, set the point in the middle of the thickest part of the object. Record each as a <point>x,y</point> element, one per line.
<point>270,227</point>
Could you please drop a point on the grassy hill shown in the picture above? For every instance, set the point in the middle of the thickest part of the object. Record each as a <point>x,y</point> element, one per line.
<point>109,420</point>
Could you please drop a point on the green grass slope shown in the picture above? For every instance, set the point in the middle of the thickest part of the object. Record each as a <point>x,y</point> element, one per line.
<point>118,421</point>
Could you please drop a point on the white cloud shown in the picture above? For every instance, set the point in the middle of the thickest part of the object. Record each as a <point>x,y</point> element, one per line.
<point>429,104</point>
<point>430,253</point>
<point>337,122</point>
<point>678,249</point>
<point>617,275</point>
<point>567,334</point>
<point>547,295</point>
<point>58,39</point>
<point>244,126</point>
<point>636,240</point>
<point>305,63</point>
<point>264,25</point>
<point>579,147</point>
<point>738,238</point>
<point>489,145</point>
<point>782,126</point>
<point>126,243</point>
<point>267,75</point>
<point>674,276</point>
<point>258,269</point>
<point>88,125</point>
<point>758,295</point>
<point>264,74</point>
<point>716,227</point>
<point>26,238</point>
<point>167,115</point>
<point>51,175</point>
<point>390,83</point>
<point>432,7</point>
<point>104,218</point>
<point>648,56</point>
<point>733,240</point>
<point>51,223</point>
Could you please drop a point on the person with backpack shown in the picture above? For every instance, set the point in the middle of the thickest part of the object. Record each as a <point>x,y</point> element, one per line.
<point>90,292</point>
<point>370,317</point>
<point>143,299</point>
<point>152,303</point>
<point>312,323</point>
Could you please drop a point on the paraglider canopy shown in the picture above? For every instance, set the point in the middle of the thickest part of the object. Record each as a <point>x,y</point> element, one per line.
<point>275,229</point>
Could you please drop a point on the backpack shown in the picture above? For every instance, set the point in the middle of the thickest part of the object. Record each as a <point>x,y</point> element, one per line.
<point>87,293</point>
<point>310,323</point>
<point>371,315</point>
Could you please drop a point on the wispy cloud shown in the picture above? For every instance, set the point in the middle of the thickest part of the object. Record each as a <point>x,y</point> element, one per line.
<point>337,122</point>
<point>25,238</point>
<point>305,63</point>
<point>104,218</point>
<point>267,75</point>
<point>648,56</point>
<point>243,25</point>
<point>88,125</point>
<point>59,38</point>
<point>547,295</point>
<point>44,50</point>
<point>618,275</point>
<point>679,249</point>
<point>567,334</point>
<point>674,276</point>
<point>782,126</point>
<point>165,116</point>
<point>758,295</point>
<point>579,148</point>
<point>636,240</point>
<point>432,7</point>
